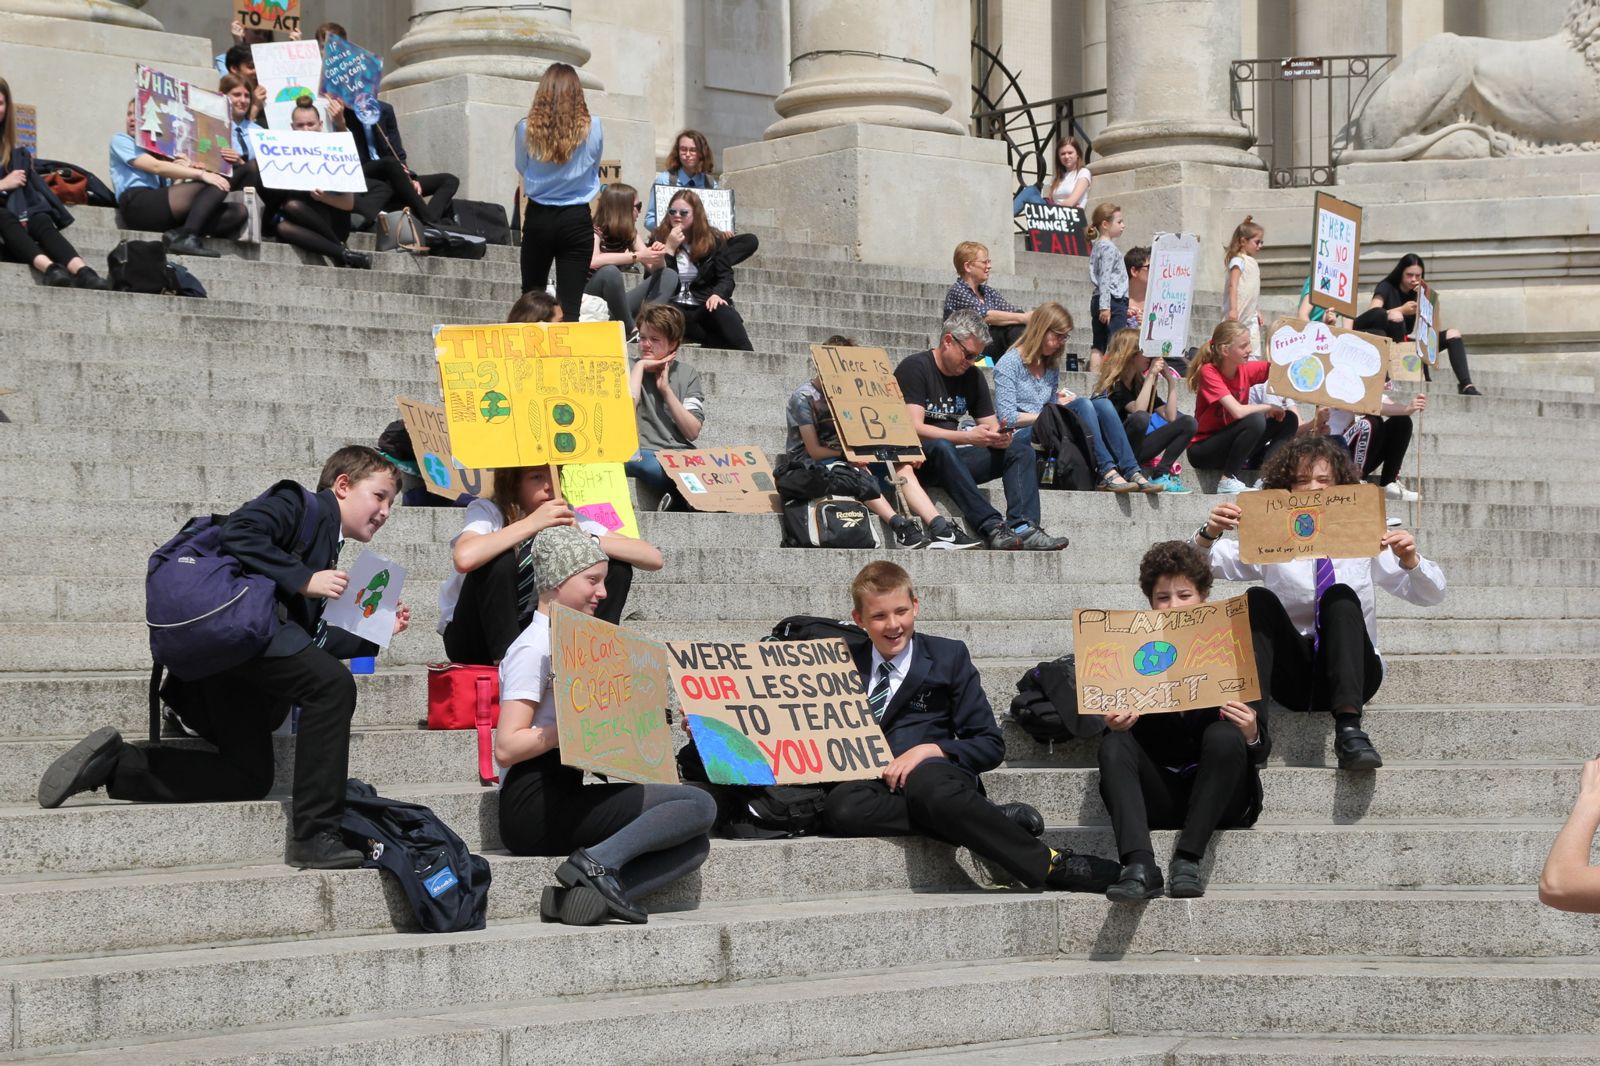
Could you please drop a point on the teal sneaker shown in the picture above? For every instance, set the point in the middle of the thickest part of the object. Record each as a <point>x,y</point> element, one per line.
<point>1171,483</point>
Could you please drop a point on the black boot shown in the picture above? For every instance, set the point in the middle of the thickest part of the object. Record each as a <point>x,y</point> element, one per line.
<point>580,869</point>
<point>358,260</point>
<point>86,278</point>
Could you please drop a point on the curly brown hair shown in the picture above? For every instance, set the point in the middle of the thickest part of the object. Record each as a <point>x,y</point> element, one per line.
<point>558,118</point>
<point>1174,558</point>
<point>1302,452</point>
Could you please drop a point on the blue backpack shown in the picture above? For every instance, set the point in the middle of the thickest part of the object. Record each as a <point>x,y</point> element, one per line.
<point>446,885</point>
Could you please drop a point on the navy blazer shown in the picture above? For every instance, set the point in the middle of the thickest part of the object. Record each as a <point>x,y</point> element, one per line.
<point>941,702</point>
<point>35,197</point>
<point>262,535</point>
<point>388,143</point>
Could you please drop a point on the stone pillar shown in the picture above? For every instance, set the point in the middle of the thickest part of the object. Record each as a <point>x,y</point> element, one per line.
<point>506,43</point>
<point>1094,64</point>
<point>859,133</point>
<point>112,12</point>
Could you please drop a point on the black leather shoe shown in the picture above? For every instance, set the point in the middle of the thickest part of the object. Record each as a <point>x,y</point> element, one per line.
<point>1026,816</point>
<point>86,278</point>
<point>324,851</point>
<point>1137,881</point>
<point>1073,872</point>
<point>86,766</point>
<point>1355,750</point>
<point>189,244</point>
<point>56,277</point>
<point>1186,882</point>
<point>573,906</point>
<point>358,260</point>
<point>580,869</point>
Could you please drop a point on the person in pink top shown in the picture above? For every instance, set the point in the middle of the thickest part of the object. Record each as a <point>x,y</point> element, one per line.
<point>1232,433</point>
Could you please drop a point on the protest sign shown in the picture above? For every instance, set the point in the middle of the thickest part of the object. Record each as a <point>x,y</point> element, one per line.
<point>528,393</point>
<point>28,128</point>
<point>367,606</point>
<point>288,70</point>
<point>173,118</point>
<point>1335,249</point>
<point>1278,526</point>
<point>1331,367</point>
<point>611,699</point>
<point>351,74</point>
<point>430,440</point>
<point>1169,294</point>
<point>736,480</point>
<point>1055,229</point>
<point>301,160</point>
<point>1160,661</point>
<point>610,171</point>
<point>599,492</point>
<point>1404,362</point>
<point>276,15</point>
<point>869,411</point>
<point>1427,330</point>
<point>785,712</point>
<point>718,204</point>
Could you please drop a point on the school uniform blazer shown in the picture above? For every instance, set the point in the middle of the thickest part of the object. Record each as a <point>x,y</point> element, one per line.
<point>34,197</point>
<point>941,702</point>
<point>1173,740</point>
<point>261,535</point>
<point>388,143</point>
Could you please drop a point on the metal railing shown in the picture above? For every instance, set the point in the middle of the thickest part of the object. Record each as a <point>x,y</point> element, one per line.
<point>1031,131</point>
<point>1300,110</point>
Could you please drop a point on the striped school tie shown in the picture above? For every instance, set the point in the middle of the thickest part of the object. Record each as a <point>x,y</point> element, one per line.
<point>1325,580</point>
<point>527,591</point>
<point>878,701</point>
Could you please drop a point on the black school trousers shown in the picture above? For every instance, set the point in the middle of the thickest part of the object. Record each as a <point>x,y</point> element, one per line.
<point>1142,795</point>
<point>487,620</point>
<point>23,241</point>
<point>1248,442</point>
<point>1341,674</point>
<point>1168,442</point>
<point>389,188</point>
<point>943,801</point>
<point>237,710</point>
<point>722,328</point>
<point>563,236</point>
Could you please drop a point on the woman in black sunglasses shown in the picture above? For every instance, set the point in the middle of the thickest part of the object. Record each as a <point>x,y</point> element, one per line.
<point>704,261</point>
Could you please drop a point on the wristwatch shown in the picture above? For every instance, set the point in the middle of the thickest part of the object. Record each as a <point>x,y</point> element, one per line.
<point>1203,535</point>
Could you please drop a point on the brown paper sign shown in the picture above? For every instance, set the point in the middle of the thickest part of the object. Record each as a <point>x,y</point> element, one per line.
<point>1404,362</point>
<point>1154,662</point>
<point>610,171</point>
<point>430,440</point>
<point>783,712</point>
<point>1344,522</point>
<point>734,480</point>
<point>1335,254</point>
<point>869,411</point>
<point>1331,367</point>
<point>611,699</point>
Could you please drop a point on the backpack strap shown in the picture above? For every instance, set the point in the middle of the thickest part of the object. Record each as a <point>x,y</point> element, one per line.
<point>482,714</point>
<point>155,702</point>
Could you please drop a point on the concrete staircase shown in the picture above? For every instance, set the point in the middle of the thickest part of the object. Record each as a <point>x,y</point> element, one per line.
<point>1385,918</point>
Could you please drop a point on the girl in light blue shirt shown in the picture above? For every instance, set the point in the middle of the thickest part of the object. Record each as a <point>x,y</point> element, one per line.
<point>558,154</point>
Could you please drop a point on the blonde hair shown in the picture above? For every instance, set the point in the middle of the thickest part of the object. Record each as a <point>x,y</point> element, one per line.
<point>1120,351</point>
<point>1102,214</point>
<point>1225,335</point>
<point>877,578</point>
<point>1244,231</point>
<point>1046,318</point>
<point>558,118</point>
<point>966,252</point>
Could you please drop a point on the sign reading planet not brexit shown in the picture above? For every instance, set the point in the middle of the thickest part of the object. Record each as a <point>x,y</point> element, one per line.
<point>1150,662</point>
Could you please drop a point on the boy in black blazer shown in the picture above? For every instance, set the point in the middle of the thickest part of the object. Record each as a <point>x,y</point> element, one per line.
<point>238,709</point>
<point>929,701</point>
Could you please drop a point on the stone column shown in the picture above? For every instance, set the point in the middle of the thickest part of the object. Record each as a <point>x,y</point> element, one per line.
<point>112,12</point>
<point>495,39</point>
<point>1094,62</point>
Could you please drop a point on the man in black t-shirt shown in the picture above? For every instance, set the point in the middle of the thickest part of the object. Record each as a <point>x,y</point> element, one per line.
<point>943,390</point>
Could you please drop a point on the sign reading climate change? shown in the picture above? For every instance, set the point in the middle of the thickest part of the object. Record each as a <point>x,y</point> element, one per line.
<point>611,699</point>
<point>1327,366</point>
<point>1152,662</point>
<point>1169,294</point>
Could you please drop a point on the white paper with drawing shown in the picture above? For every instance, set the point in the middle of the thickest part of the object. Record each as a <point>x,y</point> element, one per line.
<point>369,601</point>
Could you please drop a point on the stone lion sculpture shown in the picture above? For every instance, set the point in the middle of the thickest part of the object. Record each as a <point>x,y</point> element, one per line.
<point>1471,97</point>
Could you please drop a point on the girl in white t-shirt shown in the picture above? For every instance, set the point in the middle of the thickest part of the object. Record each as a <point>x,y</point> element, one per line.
<point>490,597</point>
<point>1070,187</point>
<point>1243,297</point>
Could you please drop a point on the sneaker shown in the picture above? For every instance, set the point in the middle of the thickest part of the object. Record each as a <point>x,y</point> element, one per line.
<point>666,503</point>
<point>86,766</point>
<point>1171,483</point>
<point>946,535</point>
<point>1001,539</point>
<point>1035,539</point>
<point>1230,486</point>
<point>1396,490</point>
<point>907,534</point>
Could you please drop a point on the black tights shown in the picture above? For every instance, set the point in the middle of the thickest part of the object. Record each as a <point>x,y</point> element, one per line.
<point>26,241</point>
<point>1169,441</point>
<point>303,225</point>
<point>1376,320</point>
<point>196,208</point>
<point>1251,439</point>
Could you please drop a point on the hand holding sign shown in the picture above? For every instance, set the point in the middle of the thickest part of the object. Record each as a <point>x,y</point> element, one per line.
<point>611,699</point>
<point>371,597</point>
<point>1327,366</point>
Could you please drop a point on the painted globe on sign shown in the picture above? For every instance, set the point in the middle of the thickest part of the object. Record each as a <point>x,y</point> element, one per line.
<point>1304,525</point>
<point>730,757</point>
<point>494,407</point>
<point>1154,657</point>
<point>1306,374</point>
<point>437,470</point>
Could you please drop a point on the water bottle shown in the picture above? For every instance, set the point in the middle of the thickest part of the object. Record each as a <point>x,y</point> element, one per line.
<point>1049,475</point>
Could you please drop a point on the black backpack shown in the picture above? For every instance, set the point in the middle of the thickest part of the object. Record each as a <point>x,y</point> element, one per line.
<point>482,219</point>
<point>1058,434</point>
<point>1046,703</point>
<point>446,885</point>
<point>138,266</point>
<point>756,812</point>
<point>810,627</point>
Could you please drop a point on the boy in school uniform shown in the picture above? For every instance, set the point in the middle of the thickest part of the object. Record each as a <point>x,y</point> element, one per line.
<point>238,709</point>
<point>929,701</point>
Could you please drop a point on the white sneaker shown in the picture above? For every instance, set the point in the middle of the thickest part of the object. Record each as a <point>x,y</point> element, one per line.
<point>1230,486</point>
<point>1392,521</point>
<point>1395,490</point>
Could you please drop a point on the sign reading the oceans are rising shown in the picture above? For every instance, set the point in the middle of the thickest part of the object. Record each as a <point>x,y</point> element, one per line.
<point>302,160</point>
<point>1335,248</point>
<point>1169,296</point>
<point>784,712</point>
<point>525,393</point>
<point>173,118</point>
<point>611,699</point>
<point>1277,526</point>
<point>869,411</point>
<point>1331,367</point>
<point>1160,661</point>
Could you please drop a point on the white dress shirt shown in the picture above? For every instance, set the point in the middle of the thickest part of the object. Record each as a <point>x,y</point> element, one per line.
<point>898,667</point>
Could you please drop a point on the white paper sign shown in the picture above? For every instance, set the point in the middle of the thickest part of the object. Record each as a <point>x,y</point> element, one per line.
<point>369,601</point>
<point>1427,334</point>
<point>718,204</point>
<point>288,70</point>
<point>299,160</point>
<point>1169,294</point>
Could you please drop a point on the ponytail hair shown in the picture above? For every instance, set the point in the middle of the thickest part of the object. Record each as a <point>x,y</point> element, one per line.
<point>1102,214</point>
<point>1226,334</point>
<point>1244,231</point>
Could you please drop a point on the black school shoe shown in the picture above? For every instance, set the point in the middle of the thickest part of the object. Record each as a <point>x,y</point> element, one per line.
<point>1026,816</point>
<point>580,869</point>
<point>1072,872</point>
<point>1355,751</point>
<point>1138,881</point>
<point>1186,882</point>
<point>86,278</point>
<point>323,851</point>
<point>86,766</point>
<point>573,906</point>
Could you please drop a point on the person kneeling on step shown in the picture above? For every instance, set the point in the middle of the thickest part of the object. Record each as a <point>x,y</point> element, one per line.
<point>626,841</point>
<point>1323,619</point>
<point>1195,771</point>
<point>928,698</point>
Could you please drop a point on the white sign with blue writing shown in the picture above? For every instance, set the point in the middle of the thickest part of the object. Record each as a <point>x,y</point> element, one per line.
<point>301,160</point>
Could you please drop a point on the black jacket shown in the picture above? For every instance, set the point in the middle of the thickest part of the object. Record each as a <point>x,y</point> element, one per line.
<point>261,535</point>
<point>385,137</point>
<point>941,702</point>
<point>1174,740</point>
<point>34,198</point>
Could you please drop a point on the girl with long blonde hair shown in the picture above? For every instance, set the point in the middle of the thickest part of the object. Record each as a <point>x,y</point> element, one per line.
<point>1232,433</point>
<point>1130,380</point>
<point>558,148</point>
<point>1242,300</point>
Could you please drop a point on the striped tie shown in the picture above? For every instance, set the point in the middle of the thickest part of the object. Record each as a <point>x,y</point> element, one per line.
<point>878,701</point>
<point>527,591</point>
<point>1325,581</point>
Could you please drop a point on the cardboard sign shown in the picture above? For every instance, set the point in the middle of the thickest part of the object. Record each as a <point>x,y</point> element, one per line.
<point>1404,362</point>
<point>430,440</point>
<point>1344,522</point>
<point>299,159</point>
<point>529,393</point>
<point>288,70</point>
<point>611,694</point>
<point>718,205</point>
<point>869,410</point>
<point>1335,250</point>
<point>28,128</point>
<point>1169,294</point>
<point>610,171</point>
<point>733,480</point>
<point>368,604</point>
<point>173,118</point>
<point>785,712</point>
<point>351,74</point>
<point>1427,331</point>
<point>1055,229</point>
<point>1316,363</point>
<point>1155,662</point>
<point>599,492</point>
<point>277,15</point>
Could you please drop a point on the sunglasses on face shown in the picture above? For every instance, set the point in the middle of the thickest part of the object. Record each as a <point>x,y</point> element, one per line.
<point>680,212</point>
<point>638,206</point>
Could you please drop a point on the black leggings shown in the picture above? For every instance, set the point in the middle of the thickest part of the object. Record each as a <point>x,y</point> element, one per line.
<point>722,328</point>
<point>564,236</point>
<point>1169,441</point>
<point>314,226</point>
<point>23,242</point>
<point>196,208</point>
<point>1384,444</point>
<point>1376,320</point>
<point>1251,440</point>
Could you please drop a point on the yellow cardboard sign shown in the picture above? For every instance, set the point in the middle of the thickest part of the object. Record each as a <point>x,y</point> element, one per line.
<point>611,694</point>
<point>1154,662</point>
<point>599,491</point>
<point>527,394</point>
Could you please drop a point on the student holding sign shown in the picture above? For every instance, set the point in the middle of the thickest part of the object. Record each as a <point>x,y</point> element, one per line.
<point>1393,312</point>
<point>625,840</point>
<point>31,216</point>
<point>169,196</point>
<point>690,165</point>
<point>1196,771</point>
<point>1323,655</point>
<point>1230,431</point>
<point>318,221</point>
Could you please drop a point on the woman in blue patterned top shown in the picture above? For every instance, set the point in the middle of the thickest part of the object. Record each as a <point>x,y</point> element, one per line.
<point>971,292</point>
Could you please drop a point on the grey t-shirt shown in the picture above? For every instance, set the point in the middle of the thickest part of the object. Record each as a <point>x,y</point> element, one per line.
<point>657,430</point>
<point>808,407</point>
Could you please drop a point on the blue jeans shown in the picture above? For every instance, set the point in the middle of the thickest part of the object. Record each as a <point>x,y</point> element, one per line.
<point>645,468</point>
<point>1111,448</point>
<point>960,469</point>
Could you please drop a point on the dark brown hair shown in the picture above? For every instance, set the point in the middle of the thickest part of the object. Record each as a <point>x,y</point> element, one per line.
<point>535,305</point>
<point>8,128</point>
<point>330,29</point>
<point>700,238</point>
<point>707,162</point>
<point>1301,452</point>
<point>1174,558</point>
<point>664,319</point>
<point>613,215</point>
<point>356,462</point>
<point>507,491</point>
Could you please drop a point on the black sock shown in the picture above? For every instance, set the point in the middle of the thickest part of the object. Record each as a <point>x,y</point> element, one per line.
<point>1189,856</point>
<point>1147,857</point>
<point>1346,721</point>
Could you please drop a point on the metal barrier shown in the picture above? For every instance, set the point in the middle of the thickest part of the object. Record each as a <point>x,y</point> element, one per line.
<point>1031,131</point>
<point>1300,110</point>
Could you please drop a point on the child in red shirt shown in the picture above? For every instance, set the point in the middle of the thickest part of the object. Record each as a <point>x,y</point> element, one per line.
<point>1232,433</point>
